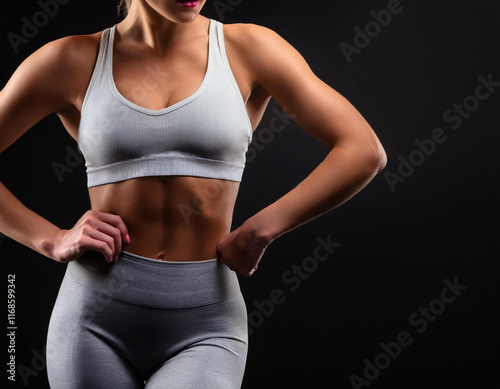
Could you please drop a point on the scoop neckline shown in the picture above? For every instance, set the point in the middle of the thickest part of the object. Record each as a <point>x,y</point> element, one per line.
<point>170,108</point>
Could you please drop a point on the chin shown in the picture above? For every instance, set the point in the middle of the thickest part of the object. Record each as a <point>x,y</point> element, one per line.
<point>182,13</point>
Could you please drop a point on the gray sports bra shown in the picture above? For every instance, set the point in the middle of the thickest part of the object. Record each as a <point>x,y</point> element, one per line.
<point>204,135</point>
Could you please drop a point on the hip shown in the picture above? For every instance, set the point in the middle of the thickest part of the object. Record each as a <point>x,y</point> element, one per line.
<point>158,284</point>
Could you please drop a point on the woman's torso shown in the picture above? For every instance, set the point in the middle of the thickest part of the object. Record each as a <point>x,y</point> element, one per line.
<point>169,217</point>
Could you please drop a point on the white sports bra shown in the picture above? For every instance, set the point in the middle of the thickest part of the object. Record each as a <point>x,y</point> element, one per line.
<point>205,135</point>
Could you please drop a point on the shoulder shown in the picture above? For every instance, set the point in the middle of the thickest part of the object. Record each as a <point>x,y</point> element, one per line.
<point>59,68</point>
<point>246,30</point>
<point>61,57</point>
<point>265,52</point>
<point>249,36</point>
<point>67,52</point>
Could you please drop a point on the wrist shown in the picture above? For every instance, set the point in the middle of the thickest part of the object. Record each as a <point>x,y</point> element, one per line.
<point>48,244</point>
<point>260,230</point>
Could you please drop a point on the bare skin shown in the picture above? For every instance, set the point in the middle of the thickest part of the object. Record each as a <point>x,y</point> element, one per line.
<point>152,210</point>
<point>177,218</point>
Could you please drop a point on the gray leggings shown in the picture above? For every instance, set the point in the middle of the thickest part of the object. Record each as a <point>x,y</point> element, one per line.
<point>169,324</point>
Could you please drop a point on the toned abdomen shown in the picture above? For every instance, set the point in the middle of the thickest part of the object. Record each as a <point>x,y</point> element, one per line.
<point>174,218</point>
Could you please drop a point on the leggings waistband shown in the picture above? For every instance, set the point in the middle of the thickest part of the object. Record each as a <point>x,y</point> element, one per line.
<point>157,284</point>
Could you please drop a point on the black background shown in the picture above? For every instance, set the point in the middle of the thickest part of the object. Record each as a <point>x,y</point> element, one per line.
<point>396,247</point>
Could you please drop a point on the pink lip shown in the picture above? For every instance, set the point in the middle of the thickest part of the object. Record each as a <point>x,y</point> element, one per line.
<point>190,4</point>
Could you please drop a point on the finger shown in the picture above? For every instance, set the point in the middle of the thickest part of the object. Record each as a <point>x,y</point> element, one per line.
<point>117,222</point>
<point>89,243</point>
<point>96,234</point>
<point>110,230</point>
<point>115,235</point>
<point>246,273</point>
<point>253,270</point>
<point>233,266</point>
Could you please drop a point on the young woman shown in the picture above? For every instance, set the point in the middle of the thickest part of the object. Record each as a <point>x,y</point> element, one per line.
<point>163,106</point>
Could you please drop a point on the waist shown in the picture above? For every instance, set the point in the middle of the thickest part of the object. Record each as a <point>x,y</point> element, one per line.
<point>159,284</point>
<point>170,218</point>
<point>181,244</point>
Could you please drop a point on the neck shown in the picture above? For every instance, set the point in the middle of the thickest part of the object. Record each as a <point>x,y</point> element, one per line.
<point>146,25</point>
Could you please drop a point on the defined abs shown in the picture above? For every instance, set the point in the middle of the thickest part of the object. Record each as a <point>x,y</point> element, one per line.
<point>171,218</point>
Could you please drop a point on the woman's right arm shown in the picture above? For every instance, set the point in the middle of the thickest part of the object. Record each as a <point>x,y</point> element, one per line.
<point>45,83</point>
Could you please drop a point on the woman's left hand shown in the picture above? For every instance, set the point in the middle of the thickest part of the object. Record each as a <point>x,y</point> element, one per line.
<point>242,249</point>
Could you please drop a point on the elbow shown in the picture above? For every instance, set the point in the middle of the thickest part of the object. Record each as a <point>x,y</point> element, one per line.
<point>368,156</point>
<point>381,159</point>
<point>375,159</point>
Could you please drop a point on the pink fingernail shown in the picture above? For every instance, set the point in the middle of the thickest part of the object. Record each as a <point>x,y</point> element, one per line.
<point>127,238</point>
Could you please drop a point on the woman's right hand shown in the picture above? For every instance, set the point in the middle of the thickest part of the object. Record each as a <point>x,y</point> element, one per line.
<point>99,231</point>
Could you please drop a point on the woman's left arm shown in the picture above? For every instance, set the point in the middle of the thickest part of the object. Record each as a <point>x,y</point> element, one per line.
<point>355,156</point>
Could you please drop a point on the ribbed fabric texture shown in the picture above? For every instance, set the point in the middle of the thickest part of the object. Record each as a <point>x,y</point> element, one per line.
<point>158,284</point>
<point>204,135</point>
